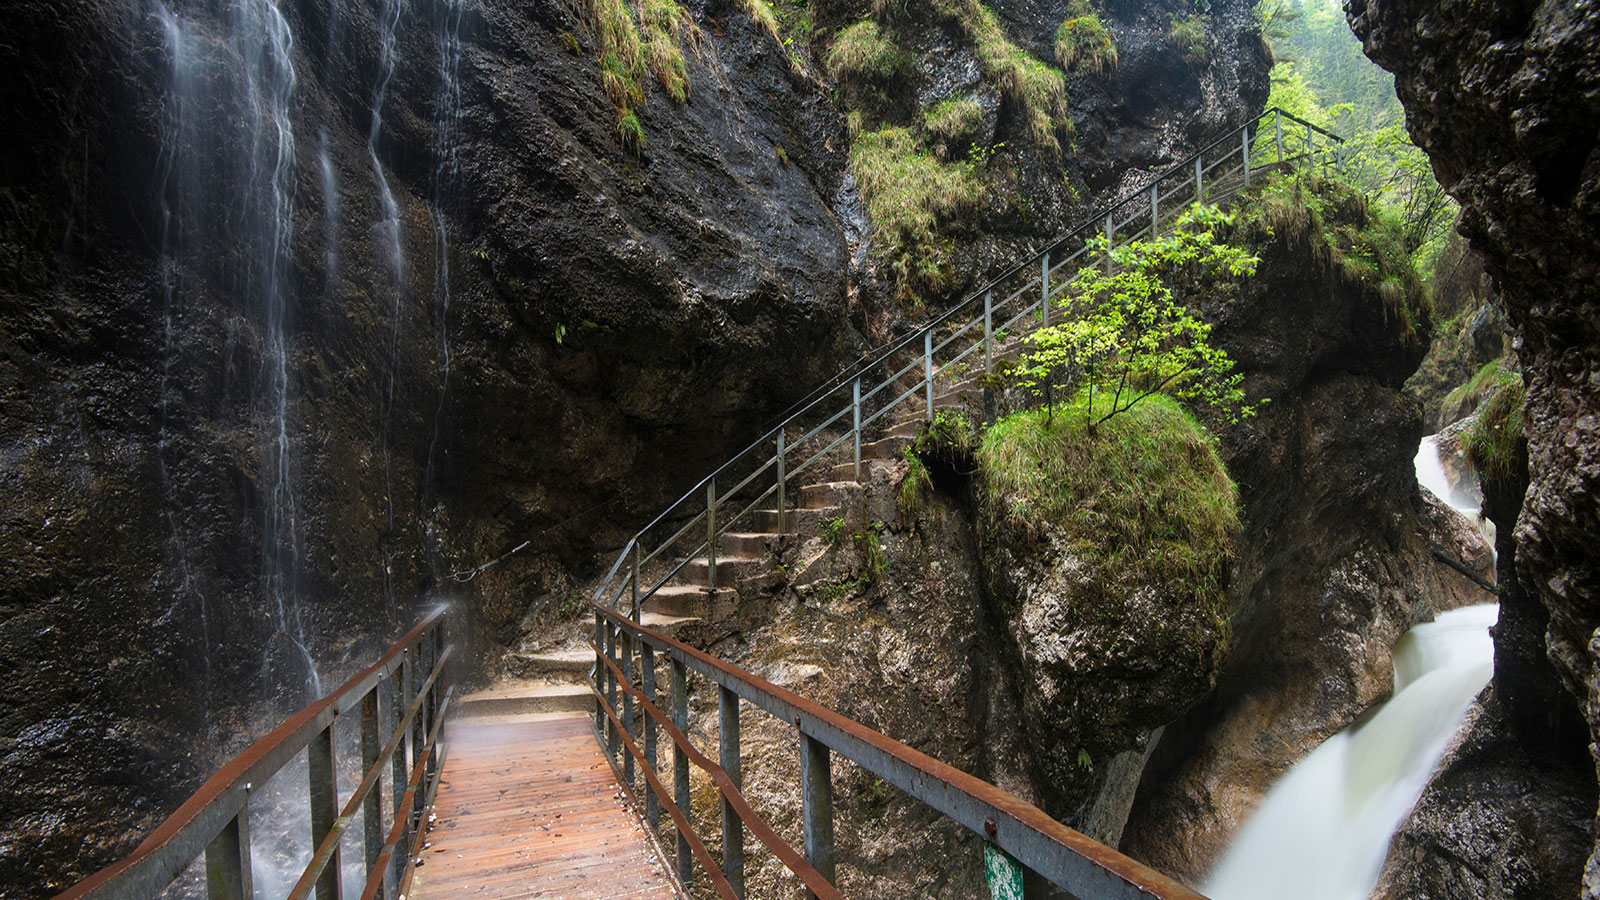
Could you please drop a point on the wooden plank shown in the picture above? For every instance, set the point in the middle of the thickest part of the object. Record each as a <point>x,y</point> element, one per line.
<point>529,810</point>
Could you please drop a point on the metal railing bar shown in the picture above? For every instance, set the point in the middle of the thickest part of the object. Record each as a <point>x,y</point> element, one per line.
<point>672,540</point>
<point>402,812</point>
<point>725,527</point>
<point>771,461</point>
<point>888,407</point>
<point>823,452</point>
<point>956,334</point>
<point>330,844</point>
<point>958,358</point>
<point>782,849</point>
<point>679,818</point>
<point>183,836</point>
<point>693,555</point>
<point>890,380</point>
<point>813,432</point>
<point>1014,320</point>
<point>1063,856</point>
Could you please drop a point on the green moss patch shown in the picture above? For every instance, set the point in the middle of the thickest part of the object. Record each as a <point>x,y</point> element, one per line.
<point>1492,441</point>
<point>863,54</point>
<point>1144,501</point>
<point>910,195</point>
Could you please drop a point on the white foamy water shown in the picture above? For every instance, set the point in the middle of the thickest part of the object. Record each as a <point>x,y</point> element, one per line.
<point>1431,475</point>
<point>1323,831</point>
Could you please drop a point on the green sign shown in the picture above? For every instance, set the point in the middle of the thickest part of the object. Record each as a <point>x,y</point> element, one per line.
<point>1003,873</point>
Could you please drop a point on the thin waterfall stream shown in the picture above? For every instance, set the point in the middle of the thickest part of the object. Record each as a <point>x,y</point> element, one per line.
<point>1322,832</point>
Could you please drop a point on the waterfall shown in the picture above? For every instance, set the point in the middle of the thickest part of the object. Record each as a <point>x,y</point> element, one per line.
<point>1323,831</point>
<point>1431,475</point>
<point>174,192</point>
<point>389,25</point>
<point>447,138</point>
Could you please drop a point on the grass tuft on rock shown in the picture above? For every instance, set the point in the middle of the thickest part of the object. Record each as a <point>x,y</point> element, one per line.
<point>1083,43</point>
<point>1188,35</point>
<point>863,53</point>
<point>1038,91</point>
<point>663,24</point>
<point>1493,439</point>
<point>909,194</point>
<point>1145,501</point>
<point>952,124</point>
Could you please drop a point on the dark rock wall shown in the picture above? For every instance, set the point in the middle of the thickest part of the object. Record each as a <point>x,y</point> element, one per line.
<point>1503,98</point>
<point>573,335</point>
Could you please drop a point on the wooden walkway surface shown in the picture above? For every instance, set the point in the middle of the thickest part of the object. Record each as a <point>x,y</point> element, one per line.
<point>528,808</point>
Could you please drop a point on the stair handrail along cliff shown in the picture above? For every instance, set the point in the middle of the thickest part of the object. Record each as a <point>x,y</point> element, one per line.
<point>980,323</point>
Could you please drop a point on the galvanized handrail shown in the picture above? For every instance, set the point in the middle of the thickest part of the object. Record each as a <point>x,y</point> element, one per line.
<point>1213,173</point>
<point>215,820</point>
<point>1032,840</point>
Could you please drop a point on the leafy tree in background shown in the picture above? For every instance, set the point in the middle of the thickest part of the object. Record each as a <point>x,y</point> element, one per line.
<point>1323,77</point>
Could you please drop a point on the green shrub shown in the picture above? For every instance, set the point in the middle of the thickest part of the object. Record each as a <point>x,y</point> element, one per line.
<point>1188,35</point>
<point>909,194</point>
<point>1083,44</point>
<point>913,490</point>
<point>1144,502</point>
<point>862,53</point>
<point>1489,377</point>
<point>761,14</point>
<point>1492,441</point>
<point>831,530</point>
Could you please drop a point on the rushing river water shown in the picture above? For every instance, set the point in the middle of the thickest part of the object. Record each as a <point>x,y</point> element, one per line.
<point>1323,831</point>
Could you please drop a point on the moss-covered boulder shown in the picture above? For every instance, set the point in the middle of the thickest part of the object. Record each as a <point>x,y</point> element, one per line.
<point>1107,552</point>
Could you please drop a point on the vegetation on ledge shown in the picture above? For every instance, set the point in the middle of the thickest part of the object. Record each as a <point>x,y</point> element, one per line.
<point>1144,502</point>
<point>1083,44</point>
<point>911,197</point>
<point>1492,441</point>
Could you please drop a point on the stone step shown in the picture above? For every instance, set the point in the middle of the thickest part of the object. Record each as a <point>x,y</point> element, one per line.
<point>685,600</point>
<point>745,544</point>
<point>846,471</point>
<point>550,663</point>
<point>694,572</point>
<point>520,698</point>
<point>827,494</point>
<point>918,411</point>
<point>908,429</point>
<point>795,519</point>
<point>890,448</point>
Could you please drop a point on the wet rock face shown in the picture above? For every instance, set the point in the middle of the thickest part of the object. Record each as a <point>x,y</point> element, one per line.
<point>1503,99</point>
<point>1335,561</point>
<point>546,337</point>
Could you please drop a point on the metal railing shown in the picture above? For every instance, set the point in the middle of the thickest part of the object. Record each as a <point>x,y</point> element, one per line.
<point>626,659</point>
<point>402,702</point>
<point>854,406</point>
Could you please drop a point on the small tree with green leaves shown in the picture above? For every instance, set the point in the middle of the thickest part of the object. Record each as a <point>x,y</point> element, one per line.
<point>1126,337</point>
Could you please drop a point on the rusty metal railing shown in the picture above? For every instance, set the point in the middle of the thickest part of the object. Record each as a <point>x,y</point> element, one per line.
<point>1022,832</point>
<point>855,405</point>
<point>402,701</point>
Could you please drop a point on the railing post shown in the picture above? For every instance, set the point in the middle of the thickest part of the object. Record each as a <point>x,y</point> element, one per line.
<point>1338,150</point>
<point>647,678</point>
<point>399,702</point>
<point>988,331</point>
<point>625,644</point>
<point>680,769</point>
<point>419,740</point>
<point>711,532</point>
<point>816,805</point>
<point>1309,144</point>
<point>927,369</point>
<point>1155,209</point>
<point>323,775</point>
<point>1111,228</point>
<point>1244,150</point>
<point>1277,127</point>
<point>1044,288</point>
<point>597,683</point>
<point>1199,191</point>
<point>228,859</point>
<point>781,479</point>
<point>855,407</point>
<point>612,741</point>
<point>637,613</point>
<point>732,826</point>
<point>372,806</point>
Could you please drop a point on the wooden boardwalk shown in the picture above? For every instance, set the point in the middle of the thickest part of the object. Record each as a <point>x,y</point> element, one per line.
<point>528,808</point>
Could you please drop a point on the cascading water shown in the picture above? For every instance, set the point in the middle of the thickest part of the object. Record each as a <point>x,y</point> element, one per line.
<point>195,168</point>
<point>1323,831</point>
<point>447,137</point>
<point>1432,475</point>
<point>390,226</point>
